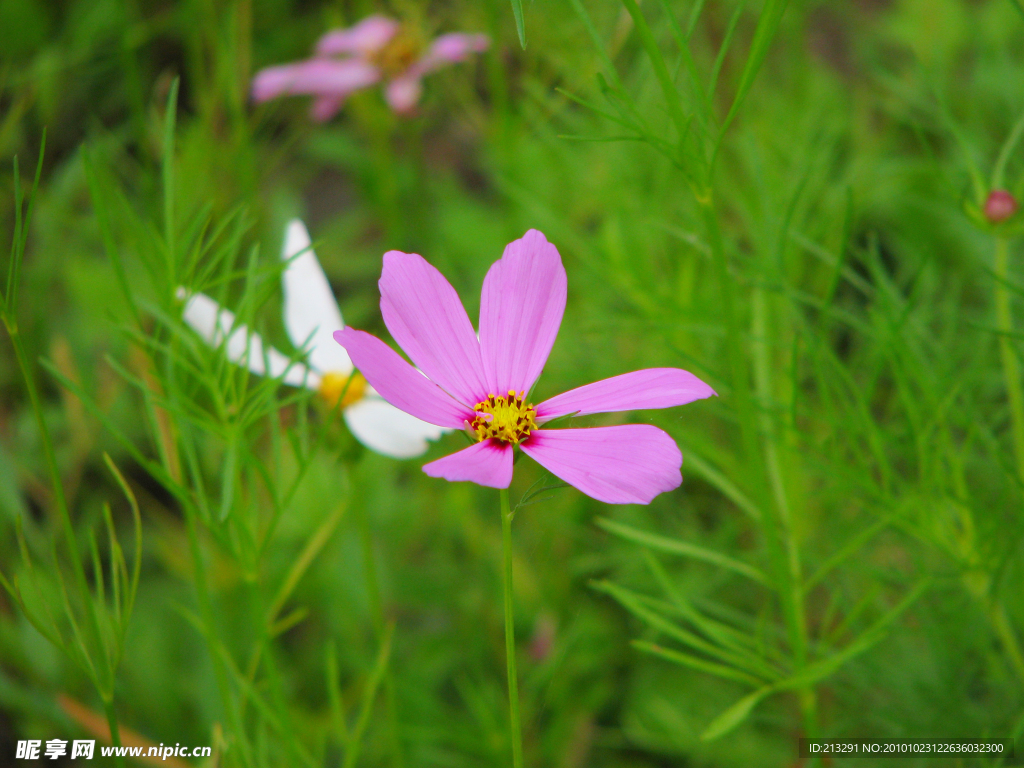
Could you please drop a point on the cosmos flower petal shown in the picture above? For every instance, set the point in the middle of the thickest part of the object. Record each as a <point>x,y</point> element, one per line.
<point>218,326</point>
<point>311,312</point>
<point>325,107</point>
<point>449,49</point>
<point>628,464</point>
<point>368,36</point>
<point>403,92</point>
<point>425,316</point>
<point>521,310</point>
<point>399,383</point>
<point>648,388</point>
<point>318,77</point>
<point>486,463</point>
<point>383,428</point>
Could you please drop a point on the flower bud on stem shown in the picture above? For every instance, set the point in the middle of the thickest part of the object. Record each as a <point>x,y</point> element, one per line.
<point>1000,205</point>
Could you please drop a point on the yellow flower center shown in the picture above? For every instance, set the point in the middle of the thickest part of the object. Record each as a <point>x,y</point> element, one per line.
<point>399,53</point>
<point>341,389</point>
<point>508,419</point>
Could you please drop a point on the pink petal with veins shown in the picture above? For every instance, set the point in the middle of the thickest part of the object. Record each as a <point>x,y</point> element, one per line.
<point>399,383</point>
<point>487,463</point>
<point>629,464</point>
<point>521,308</point>
<point>649,388</point>
<point>425,316</point>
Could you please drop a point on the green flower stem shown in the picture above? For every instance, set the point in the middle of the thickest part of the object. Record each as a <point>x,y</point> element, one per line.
<point>380,630</point>
<point>788,570</point>
<point>1011,366</point>
<point>1011,373</point>
<point>171,461</point>
<point>1008,638</point>
<point>510,634</point>
<point>104,678</point>
<point>779,537</point>
<point>115,731</point>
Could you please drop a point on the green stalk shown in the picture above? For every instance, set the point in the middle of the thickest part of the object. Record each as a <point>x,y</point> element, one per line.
<point>65,516</point>
<point>115,731</point>
<point>789,573</point>
<point>1011,374</point>
<point>1011,366</point>
<point>380,630</point>
<point>510,634</point>
<point>781,549</point>
<point>1008,638</point>
<point>734,351</point>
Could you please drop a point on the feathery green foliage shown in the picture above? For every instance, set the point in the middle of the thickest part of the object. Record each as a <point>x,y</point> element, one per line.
<point>787,199</point>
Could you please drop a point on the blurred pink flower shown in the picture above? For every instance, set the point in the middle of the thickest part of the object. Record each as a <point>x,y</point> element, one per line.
<point>374,50</point>
<point>481,384</point>
<point>1000,205</point>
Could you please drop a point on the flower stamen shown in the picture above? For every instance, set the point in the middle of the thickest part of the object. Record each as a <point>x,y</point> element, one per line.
<point>504,417</point>
<point>398,54</point>
<point>348,388</point>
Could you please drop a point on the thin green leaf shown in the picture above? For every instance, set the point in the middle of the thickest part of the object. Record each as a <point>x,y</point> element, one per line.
<point>735,714</point>
<point>133,582</point>
<point>100,208</point>
<point>723,49</point>
<point>305,559</point>
<point>677,547</point>
<point>723,634</point>
<point>167,171</point>
<point>229,476</point>
<point>740,667</point>
<point>599,44</point>
<point>849,549</point>
<point>369,694</point>
<point>334,694</point>
<point>695,12</point>
<point>158,472</point>
<point>672,98</point>
<point>599,139</point>
<point>1004,153</point>
<point>688,660</point>
<point>721,482</point>
<point>767,26</point>
<point>283,625</point>
<point>813,673</point>
<point>517,11</point>
<point>22,227</point>
<point>683,43</point>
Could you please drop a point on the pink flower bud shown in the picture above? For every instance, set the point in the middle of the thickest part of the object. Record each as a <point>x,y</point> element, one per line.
<point>999,206</point>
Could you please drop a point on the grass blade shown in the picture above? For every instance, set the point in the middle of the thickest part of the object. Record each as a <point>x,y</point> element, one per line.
<point>687,660</point>
<point>668,89</point>
<point>676,547</point>
<point>735,714</point>
<point>517,11</point>
<point>767,26</point>
<point>376,676</point>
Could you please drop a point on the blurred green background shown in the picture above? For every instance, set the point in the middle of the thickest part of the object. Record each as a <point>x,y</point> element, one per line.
<point>844,555</point>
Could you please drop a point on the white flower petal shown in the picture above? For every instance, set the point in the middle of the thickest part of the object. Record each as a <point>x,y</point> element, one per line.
<point>383,428</point>
<point>217,326</point>
<point>311,312</point>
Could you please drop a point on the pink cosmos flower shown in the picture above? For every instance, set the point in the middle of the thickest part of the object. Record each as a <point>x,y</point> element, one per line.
<point>481,384</point>
<point>374,50</point>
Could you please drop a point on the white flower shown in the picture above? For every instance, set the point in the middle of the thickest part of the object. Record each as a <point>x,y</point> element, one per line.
<point>311,315</point>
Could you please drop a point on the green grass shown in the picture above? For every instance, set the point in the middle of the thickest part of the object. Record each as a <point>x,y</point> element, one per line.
<point>780,197</point>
